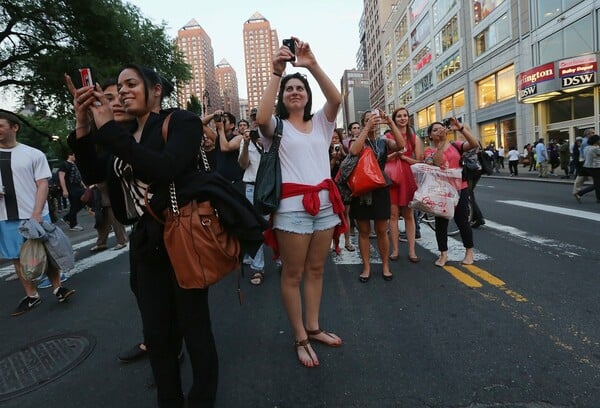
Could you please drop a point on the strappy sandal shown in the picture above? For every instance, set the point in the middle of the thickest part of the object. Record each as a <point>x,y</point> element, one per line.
<point>349,247</point>
<point>304,344</point>
<point>313,333</point>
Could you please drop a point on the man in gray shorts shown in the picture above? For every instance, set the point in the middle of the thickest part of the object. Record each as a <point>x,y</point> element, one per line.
<point>24,174</point>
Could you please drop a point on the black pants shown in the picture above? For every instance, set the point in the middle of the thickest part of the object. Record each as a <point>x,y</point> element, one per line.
<point>169,314</point>
<point>75,205</point>
<point>595,174</point>
<point>461,217</point>
<point>513,166</point>
<point>477,214</point>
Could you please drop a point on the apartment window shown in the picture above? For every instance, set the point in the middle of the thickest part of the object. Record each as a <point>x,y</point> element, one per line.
<point>401,29</point>
<point>447,37</point>
<point>448,67</point>
<point>422,59</point>
<point>402,53</point>
<point>424,84</point>
<point>416,9</point>
<point>388,70</point>
<point>575,39</point>
<point>496,88</point>
<point>420,33</point>
<point>404,76</point>
<point>441,9</point>
<point>387,50</point>
<point>548,10</point>
<point>497,32</point>
<point>482,8</point>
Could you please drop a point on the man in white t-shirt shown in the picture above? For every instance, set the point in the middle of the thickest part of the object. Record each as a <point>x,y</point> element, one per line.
<point>24,174</point>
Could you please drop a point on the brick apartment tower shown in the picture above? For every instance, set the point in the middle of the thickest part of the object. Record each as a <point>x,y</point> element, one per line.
<point>197,51</point>
<point>228,87</point>
<point>260,44</point>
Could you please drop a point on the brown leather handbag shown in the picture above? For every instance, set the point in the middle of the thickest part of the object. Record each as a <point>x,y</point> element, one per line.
<point>200,249</point>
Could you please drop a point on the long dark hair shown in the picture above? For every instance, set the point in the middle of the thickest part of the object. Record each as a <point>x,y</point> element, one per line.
<point>281,110</point>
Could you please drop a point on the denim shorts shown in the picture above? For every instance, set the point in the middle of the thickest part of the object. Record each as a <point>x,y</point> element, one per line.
<point>11,239</point>
<point>301,222</point>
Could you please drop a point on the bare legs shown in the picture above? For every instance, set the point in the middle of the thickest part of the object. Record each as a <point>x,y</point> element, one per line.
<point>383,245</point>
<point>394,233</point>
<point>303,257</point>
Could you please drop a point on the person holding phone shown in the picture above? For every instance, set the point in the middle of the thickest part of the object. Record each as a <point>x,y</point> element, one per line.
<point>311,207</point>
<point>444,155</point>
<point>375,205</point>
<point>142,158</point>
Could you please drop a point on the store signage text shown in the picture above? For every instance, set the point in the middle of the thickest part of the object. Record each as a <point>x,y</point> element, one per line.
<point>575,80</point>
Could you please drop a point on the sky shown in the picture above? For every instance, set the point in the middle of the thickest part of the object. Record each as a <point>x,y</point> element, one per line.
<point>329,26</point>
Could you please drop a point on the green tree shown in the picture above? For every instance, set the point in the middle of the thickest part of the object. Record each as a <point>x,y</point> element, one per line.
<point>40,40</point>
<point>194,105</point>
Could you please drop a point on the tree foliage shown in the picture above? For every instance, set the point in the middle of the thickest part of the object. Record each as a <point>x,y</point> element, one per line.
<point>194,105</point>
<point>41,39</point>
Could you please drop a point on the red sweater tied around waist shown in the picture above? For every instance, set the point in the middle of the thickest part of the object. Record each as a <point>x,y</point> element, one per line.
<point>312,204</point>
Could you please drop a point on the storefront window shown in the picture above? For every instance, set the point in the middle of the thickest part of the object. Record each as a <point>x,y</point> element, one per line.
<point>451,106</point>
<point>486,92</point>
<point>441,8</point>
<point>404,76</point>
<point>508,133</point>
<point>548,10</point>
<point>492,36</point>
<point>575,39</point>
<point>401,28</point>
<point>447,37</point>
<point>571,107</point>
<point>422,120</point>
<point>422,59</point>
<point>488,134</point>
<point>420,33</point>
<point>482,8</point>
<point>405,98</point>
<point>402,53</point>
<point>448,67</point>
<point>506,85</point>
<point>424,84</point>
<point>416,9</point>
<point>496,88</point>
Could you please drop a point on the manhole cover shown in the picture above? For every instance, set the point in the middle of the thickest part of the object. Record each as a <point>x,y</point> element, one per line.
<point>43,361</point>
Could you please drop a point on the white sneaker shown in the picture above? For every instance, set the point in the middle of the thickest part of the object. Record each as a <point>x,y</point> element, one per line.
<point>76,228</point>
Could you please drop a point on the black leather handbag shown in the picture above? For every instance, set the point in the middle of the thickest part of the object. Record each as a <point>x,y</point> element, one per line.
<point>267,187</point>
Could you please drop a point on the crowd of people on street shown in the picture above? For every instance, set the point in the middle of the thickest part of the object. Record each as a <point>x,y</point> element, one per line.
<point>119,153</point>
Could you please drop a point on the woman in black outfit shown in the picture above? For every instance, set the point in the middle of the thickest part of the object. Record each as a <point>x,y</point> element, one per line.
<point>141,158</point>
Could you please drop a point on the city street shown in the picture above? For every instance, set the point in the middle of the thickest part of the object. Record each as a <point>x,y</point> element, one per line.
<point>517,329</point>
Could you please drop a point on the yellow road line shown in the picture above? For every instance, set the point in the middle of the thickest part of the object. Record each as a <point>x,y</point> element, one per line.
<point>463,277</point>
<point>485,275</point>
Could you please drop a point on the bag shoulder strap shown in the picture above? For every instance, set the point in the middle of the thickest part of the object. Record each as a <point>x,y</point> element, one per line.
<point>459,149</point>
<point>277,135</point>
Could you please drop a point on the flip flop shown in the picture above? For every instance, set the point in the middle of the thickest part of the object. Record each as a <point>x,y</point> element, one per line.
<point>313,333</point>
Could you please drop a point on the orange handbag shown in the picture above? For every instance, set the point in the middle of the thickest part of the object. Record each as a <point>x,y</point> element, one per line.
<point>367,175</point>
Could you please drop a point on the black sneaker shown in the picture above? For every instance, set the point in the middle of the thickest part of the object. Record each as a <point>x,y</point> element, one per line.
<point>26,305</point>
<point>63,293</point>
<point>133,354</point>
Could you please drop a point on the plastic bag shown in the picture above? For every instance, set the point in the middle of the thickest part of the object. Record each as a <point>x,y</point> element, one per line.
<point>367,175</point>
<point>437,191</point>
<point>33,259</point>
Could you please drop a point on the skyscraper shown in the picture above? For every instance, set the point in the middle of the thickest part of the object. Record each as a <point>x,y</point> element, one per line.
<point>197,51</point>
<point>260,44</point>
<point>228,87</point>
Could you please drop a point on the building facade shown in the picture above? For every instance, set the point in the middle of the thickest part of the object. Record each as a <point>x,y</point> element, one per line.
<point>495,64</point>
<point>195,44</point>
<point>355,95</point>
<point>260,44</point>
<point>228,87</point>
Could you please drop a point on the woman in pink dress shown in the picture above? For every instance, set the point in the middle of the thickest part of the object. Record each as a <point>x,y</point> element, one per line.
<point>402,193</point>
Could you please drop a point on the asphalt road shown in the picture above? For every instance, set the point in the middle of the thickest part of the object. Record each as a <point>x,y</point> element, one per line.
<point>519,330</point>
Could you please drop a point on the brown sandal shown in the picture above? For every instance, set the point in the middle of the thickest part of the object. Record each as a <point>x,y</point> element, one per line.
<point>313,333</point>
<point>304,344</point>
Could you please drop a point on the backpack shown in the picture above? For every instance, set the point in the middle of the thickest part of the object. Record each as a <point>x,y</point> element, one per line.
<point>474,162</point>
